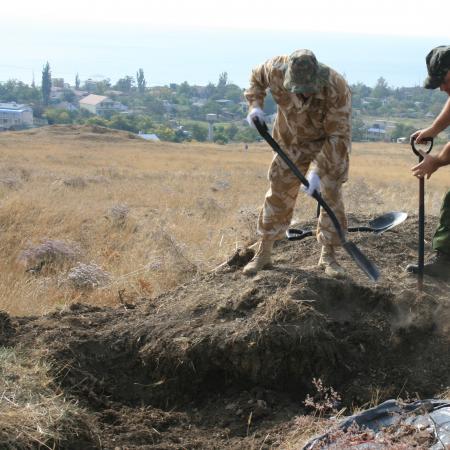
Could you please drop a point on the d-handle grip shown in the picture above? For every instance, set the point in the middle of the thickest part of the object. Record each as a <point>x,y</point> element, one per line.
<point>430,142</point>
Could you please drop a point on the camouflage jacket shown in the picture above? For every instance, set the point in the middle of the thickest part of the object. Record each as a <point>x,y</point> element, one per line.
<point>323,117</point>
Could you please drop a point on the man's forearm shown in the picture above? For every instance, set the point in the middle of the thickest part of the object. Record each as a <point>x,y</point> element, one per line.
<point>443,120</point>
<point>443,157</point>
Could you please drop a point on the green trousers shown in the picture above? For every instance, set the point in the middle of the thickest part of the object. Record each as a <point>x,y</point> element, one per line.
<point>441,238</point>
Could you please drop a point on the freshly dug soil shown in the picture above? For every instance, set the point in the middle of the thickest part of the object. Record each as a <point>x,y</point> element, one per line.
<point>226,361</point>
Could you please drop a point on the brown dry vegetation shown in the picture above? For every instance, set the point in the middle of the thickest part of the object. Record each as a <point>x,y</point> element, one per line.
<point>152,216</point>
<point>188,206</point>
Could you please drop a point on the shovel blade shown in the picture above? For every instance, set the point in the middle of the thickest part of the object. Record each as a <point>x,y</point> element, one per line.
<point>297,234</point>
<point>387,221</point>
<point>362,261</point>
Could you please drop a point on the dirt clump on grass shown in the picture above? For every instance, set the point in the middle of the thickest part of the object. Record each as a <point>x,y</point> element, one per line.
<point>226,361</point>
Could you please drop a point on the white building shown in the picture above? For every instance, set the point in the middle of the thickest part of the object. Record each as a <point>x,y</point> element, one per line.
<point>101,105</point>
<point>14,116</point>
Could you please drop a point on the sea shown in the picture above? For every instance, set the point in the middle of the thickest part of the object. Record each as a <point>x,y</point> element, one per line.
<point>199,56</point>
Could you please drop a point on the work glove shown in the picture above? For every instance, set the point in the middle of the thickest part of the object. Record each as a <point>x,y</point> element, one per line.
<point>258,113</point>
<point>314,183</point>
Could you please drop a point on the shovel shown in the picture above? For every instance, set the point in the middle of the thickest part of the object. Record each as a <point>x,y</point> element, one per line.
<point>356,254</point>
<point>378,225</point>
<point>421,246</point>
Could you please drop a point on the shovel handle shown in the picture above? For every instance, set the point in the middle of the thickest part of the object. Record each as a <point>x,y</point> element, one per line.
<point>264,132</point>
<point>421,243</point>
<point>428,150</point>
<point>361,260</point>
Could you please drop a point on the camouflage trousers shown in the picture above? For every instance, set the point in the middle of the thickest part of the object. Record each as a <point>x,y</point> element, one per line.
<point>332,166</point>
<point>441,238</point>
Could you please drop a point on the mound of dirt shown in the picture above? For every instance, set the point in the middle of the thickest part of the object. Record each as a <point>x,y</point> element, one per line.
<point>226,360</point>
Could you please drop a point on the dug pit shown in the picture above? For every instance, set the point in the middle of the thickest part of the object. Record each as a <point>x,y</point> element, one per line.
<point>204,347</point>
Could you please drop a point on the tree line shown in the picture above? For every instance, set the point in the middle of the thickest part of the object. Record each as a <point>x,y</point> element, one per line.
<point>178,111</point>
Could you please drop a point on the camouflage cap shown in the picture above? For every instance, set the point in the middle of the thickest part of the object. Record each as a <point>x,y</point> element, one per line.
<point>304,75</point>
<point>438,64</point>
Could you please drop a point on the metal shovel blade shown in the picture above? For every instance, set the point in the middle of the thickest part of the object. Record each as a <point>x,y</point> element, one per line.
<point>361,260</point>
<point>387,221</point>
<point>297,234</point>
<point>378,225</point>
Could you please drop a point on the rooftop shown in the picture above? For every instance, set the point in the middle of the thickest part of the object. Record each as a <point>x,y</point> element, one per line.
<point>13,106</point>
<point>93,99</point>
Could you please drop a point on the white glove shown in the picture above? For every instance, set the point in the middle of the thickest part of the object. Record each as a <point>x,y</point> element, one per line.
<point>256,112</point>
<point>314,183</point>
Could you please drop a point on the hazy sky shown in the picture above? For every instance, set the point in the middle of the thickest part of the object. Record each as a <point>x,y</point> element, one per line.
<point>196,40</point>
<point>397,17</point>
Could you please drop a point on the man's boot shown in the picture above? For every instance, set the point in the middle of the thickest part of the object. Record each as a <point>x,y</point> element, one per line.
<point>438,266</point>
<point>328,262</point>
<point>262,258</point>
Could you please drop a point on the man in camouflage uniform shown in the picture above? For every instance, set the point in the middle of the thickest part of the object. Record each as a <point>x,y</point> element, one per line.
<point>312,125</point>
<point>438,65</point>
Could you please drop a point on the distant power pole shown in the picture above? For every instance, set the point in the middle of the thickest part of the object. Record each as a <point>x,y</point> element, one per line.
<point>211,118</point>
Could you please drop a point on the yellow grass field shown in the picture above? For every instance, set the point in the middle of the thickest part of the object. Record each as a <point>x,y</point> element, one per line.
<point>150,215</point>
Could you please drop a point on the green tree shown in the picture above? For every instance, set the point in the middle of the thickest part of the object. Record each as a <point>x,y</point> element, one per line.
<point>144,123</point>
<point>152,105</point>
<point>46,86</point>
<point>199,132</point>
<point>223,80</point>
<point>57,116</point>
<point>68,95</point>
<point>19,92</point>
<point>233,92</point>
<point>381,89</point>
<point>77,82</point>
<point>125,84</point>
<point>403,130</point>
<point>247,134</point>
<point>122,122</point>
<point>220,135</point>
<point>210,90</point>
<point>361,90</point>
<point>97,120</point>
<point>102,86</point>
<point>184,89</point>
<point>232,131</point>
<point>358,129</point>
<point>141,83</point>
<point>164,132</point>
<point>221,85</point>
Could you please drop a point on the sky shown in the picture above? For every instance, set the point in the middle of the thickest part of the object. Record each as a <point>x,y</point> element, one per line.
<point>401,17</point>
<point>196,40</point>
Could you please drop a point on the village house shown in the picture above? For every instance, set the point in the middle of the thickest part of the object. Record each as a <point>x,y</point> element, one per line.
<point>14,116</point>
<point>101,105</point>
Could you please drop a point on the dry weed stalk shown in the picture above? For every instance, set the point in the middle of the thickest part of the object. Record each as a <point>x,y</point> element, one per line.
<point>325,401</point>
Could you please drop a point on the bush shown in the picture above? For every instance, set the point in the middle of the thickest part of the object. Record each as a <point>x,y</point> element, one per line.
<point>87,276</point>
<point>50,251</point>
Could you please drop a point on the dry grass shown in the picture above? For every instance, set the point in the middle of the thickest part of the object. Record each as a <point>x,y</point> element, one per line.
<point>33,413</point>
<point>151,215</point>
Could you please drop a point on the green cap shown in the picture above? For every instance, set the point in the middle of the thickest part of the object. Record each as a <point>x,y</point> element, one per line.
<point>304,75</point>
<point>438,64</point>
